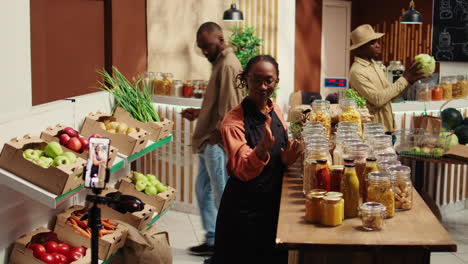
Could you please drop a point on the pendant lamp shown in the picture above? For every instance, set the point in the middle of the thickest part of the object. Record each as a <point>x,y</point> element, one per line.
<point>233,14</point>
<point>411,16</point>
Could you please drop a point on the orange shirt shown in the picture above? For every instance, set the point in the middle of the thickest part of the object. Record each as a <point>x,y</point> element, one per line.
<point>243,162</point>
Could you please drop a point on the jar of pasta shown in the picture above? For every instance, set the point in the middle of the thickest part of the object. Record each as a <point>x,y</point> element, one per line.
<point>359,152</point>
<point>380,191</point>
<point>457,87</point>
<point>350,113</point>
<point>313,207</point>
<point>158,83</point>
<point>465,87</point>
<point>332,211</point>
<point>447,87</point>
<point>321,113</point>
<point>167,83</point>
<point>402,186</point>
<point>372,215</point>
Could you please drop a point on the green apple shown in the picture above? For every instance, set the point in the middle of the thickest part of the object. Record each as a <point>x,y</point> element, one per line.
<point>151,177</point>
<point>70,156</point>
<point>39,152</point>
<point>151,190</point>
<point>141,185</point>
<point>61,160</point>
<point>47,160</point>
<point>53,149</point>
<point>30,154</point>
<point>154,181</point>
<point>437,152</point>
<point>161,187</point>
<point>416,149</point>
<point>43,163</point>
<point>138,176</point>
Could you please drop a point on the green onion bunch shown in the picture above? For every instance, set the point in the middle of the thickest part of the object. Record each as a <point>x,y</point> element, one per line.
<point>135,98</point>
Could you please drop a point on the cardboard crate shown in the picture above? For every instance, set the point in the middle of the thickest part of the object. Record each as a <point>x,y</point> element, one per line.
<point>157,130</point>
<point>160,201</point>
<point>53,133</point>
<point>57,180</point>
<point>108,244</point>
<point>138,220</point>
<point>127,144</point>
<point>22,255</point>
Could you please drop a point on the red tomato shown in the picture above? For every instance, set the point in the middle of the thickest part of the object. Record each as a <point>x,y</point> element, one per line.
<point>74,256</point>
<point>63,249</point>
<point>82,250</point>
<point>51,246</point>
<point>38,250</point>
<point>59,258</point>
<point>47,258</point>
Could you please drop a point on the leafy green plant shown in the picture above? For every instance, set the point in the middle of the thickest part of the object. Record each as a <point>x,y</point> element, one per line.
<point>360,101</point>
<point>245,42</point>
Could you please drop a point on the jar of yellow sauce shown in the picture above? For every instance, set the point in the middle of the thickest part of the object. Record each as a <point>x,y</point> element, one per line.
<point>313,207</point>
<point>337,194</point>
<point>332,211</point>
<point>350,190</point>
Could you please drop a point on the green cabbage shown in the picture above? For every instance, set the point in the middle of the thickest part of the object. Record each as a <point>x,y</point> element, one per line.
<point>427,63</point>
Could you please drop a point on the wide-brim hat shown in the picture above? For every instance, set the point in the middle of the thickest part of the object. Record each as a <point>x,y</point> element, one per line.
<point>363,34</point>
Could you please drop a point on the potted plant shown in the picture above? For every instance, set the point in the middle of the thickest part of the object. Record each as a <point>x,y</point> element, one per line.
<point>245,42</point>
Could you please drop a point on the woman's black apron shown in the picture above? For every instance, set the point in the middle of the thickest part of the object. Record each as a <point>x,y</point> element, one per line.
<point>248,213</point>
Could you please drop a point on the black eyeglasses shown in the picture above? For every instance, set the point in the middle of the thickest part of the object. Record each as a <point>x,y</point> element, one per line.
<point>268,82</point>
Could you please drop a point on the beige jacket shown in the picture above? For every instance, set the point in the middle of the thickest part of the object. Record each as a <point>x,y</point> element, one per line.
<point>220,97</point>
<point>369,80</point>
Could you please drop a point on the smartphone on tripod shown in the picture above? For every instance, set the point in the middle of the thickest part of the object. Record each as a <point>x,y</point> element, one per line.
<point>96,176</point>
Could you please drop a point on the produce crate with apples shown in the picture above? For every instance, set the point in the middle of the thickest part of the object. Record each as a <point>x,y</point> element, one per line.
<point>71,229</point>
<point>128,140</point>
<point>70,139</point>
<point>47,165</point>
<point>43,246</point>
<point>138,219</point>
<point>157,130</point>
<point>148,189</point>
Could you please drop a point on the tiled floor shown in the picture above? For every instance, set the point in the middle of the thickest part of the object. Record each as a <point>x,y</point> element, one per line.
<point>185,230</point>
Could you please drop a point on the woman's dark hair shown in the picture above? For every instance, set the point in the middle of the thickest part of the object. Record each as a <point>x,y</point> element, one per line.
<point>242,77</point>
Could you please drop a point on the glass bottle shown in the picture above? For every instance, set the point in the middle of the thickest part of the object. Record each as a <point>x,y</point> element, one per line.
<point>380,191</point>
<point>403,187</point>
<point>313,207</point>
<point>321,113</point>
<point>332,211</point>
<point>349,113</point>
<point>372,215</point>
<point>371,166</point>
<point>359,152</point>
<point>350,190</point>
<point>336,174</point>
<point>322,175</point>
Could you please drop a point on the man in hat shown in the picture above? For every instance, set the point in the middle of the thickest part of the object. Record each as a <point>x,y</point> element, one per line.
<point>369,80</point>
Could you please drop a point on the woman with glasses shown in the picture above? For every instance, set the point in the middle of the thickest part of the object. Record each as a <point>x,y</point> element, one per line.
<point>256,141</point>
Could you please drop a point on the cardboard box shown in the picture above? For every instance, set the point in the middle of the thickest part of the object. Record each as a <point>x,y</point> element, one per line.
<point>57,180</point>
<point>22,255</point>
<point>127,144</point>
<point>53,133</point>
<point>138,220</point>
<point>157,130</point>
<point>160,201</point>
<point>108,244</point>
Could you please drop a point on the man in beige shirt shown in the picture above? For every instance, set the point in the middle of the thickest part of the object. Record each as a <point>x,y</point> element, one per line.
<point>220,97</point>
<point>369,80</point>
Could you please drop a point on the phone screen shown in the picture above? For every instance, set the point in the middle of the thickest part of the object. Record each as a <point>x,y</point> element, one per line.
<point>98,154</point>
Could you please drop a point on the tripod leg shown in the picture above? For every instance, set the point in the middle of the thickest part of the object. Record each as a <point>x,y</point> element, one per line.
<point>95,224</point>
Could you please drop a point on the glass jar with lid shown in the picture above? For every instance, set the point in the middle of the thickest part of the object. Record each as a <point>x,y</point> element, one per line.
<point>359,152</point>
<point>373,127</point>
<point>394,71</point>
<point>346,124</point>
<point>380,190</point>
<point>177,88</point>
<point>402,186</point>
<point>447,86</point>
<point>457,87</point>
<point>332,210</point>
<point>308,174</point>
<point>197,89</point>
<point>465,87</point>
<point>369,135</point>
<point>167,83</point>
<point>437,93</point>
<point>318,151</point>
<point>149,81</point>
<point>385,165</point>
<point>373,215</point>
<point>349,113</point>
<point>321,113</point>
<point>322,175</point>
<point>382,144</point>
<point>313,206</point>
<point>158,83</point>
<point>187,89</point>
<point>336,174</point>
<point>382,66</point>
<point>371,166</point>
<point>350,190</point>
<point>423,92</point>
<point>338,152</point>
<point>387,156</point>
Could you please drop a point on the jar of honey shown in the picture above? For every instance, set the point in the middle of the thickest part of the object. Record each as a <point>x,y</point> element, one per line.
<point>313,207</point>
<point>332,211</point>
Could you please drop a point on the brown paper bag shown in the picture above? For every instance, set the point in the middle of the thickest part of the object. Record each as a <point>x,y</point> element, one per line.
<point>150,247</point>
<point>426,123</point>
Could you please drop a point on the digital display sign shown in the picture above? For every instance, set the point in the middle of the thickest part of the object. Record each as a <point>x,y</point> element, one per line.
<point>336,83</point>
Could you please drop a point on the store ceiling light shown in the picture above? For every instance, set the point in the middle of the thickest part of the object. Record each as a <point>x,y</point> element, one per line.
<point>411,16</point>
<point>233,14</point>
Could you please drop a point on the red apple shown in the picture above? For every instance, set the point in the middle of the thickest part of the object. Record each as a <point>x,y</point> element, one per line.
<point>84,141</point>
<point>63,249</point>
<point>85,147</point>
<point>38,250</point>
<point>74,144</point>
<point>47,258</point>
<point>51,246</point>
<point>70,131</point>
<point>64,138</point>
<point>95,135</point>
<point>82,250</point>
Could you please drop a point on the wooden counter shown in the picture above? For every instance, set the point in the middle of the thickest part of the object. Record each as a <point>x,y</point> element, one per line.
<point>409,237</point>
